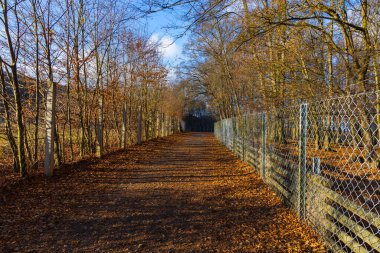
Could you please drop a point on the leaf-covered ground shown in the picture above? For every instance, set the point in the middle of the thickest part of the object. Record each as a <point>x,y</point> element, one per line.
<point>184,193</point>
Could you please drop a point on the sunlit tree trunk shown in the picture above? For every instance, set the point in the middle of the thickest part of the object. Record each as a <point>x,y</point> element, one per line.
<point>139,125</point>
<point>50,125</point>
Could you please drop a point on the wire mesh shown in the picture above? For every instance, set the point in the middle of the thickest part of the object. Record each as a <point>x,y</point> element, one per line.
<point>254,151</point>
<point>322,160</point>
<point>282,154</point>
<point>344,186</point>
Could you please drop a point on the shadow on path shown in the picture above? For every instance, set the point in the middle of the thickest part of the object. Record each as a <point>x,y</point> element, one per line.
<point>184,193</point>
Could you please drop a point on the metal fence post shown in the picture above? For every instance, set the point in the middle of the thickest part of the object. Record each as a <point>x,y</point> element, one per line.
<point>302,160</point>
<point>263,143</point>
<point>222,131</point>
<point>224,126</point>
<point>233,135</point>
<point>316,165</point>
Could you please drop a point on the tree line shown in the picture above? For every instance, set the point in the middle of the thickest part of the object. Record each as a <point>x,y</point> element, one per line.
<point>77,78</point>
<point>260,55</point>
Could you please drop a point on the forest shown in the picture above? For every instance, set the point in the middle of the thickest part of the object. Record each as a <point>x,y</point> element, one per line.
<point>247,57</point>
<point>78,79</point>
<point>75,74</point>
<point>257,55</point>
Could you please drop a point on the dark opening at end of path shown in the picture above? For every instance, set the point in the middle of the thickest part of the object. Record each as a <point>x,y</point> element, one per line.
<point>198,123</point>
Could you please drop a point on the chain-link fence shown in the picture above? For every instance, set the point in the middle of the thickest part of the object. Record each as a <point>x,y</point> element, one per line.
<point>322,159</point>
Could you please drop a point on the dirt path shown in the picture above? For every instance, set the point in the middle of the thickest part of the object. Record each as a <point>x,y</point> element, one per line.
<point>185,193</point>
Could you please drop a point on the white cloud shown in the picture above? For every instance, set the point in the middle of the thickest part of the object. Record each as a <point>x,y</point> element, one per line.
<point>154,38</point>
<point>167,46</point>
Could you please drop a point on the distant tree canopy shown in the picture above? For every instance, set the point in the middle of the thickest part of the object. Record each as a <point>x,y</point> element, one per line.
<point>253,55</point>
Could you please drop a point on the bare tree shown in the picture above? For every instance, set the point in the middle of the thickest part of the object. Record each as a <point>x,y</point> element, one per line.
<point>13,43</point>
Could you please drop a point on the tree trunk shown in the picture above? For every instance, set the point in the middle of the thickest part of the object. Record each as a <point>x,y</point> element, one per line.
<point>139,126</point>
<point>8,126</point>
<point>50,128</point>
<point>99,146</point>
<point>125,125</point>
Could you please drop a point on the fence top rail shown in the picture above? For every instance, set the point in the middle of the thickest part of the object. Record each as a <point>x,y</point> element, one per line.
<point>294,105</point>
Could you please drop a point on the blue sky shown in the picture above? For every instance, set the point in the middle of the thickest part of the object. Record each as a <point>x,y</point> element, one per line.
<point>171,48</point>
